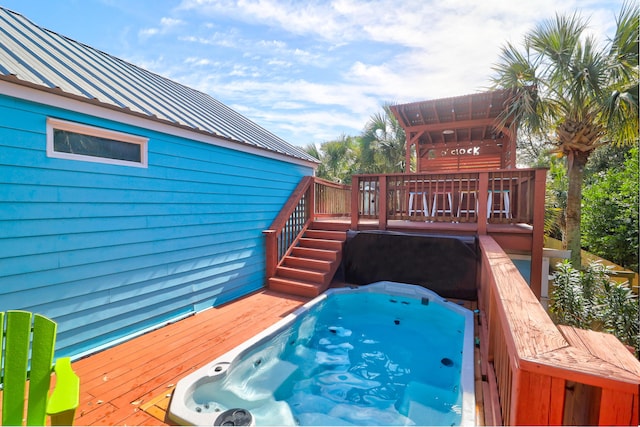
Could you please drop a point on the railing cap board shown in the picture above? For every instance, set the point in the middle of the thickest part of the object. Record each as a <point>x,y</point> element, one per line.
<point>455,172</point>
<point>576,364</point>
<point>331,184</point>
<point>603,346</point>
<point>533,330</point>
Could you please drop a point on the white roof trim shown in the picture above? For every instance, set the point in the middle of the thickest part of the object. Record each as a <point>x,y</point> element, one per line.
<point>60,101</point>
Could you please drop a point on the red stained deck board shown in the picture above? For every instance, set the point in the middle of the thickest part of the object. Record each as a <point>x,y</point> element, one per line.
<point>145,364</point>
<point>116,381</point>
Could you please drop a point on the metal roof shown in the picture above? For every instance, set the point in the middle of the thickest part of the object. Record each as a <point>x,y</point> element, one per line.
<point>33,55</point>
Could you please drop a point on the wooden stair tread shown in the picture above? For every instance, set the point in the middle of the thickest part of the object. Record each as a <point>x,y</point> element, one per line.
<point>326,235</point>
<point>332,226</point>
<point>320,243</point>
<point>297,287</point>
<point>304,262</point>
<point>314,276</point>
<point>323,254</point>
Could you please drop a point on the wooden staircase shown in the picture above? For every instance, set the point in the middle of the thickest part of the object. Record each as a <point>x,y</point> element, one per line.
<point>309,268</point>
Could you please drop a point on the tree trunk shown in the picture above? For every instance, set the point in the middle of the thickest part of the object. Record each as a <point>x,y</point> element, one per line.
<point>574,209</point>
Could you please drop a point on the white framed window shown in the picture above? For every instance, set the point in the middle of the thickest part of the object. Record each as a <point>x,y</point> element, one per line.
<point>75,141</point>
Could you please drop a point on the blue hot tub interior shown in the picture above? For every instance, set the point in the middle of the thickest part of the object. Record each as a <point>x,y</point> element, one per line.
<point>366,356</point>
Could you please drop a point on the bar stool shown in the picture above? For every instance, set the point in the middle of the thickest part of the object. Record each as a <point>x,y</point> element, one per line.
<point>471,206</point>
<point>413,198</point>
<point>445,196</point>
<point>502,203</point>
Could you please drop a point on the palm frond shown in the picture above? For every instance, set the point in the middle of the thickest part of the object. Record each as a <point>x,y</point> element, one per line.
<point>557,39</point>
<point>624,44</point>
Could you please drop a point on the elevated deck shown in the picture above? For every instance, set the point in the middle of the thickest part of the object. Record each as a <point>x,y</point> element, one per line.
<point>507,205</point>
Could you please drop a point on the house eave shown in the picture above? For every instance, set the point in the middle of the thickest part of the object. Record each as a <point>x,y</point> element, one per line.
<point>12,86</point>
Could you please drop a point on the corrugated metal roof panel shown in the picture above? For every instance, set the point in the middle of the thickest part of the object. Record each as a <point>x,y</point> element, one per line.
<point>38,56</point>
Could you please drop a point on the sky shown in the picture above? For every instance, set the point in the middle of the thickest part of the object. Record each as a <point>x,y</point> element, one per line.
<point>311,71</point>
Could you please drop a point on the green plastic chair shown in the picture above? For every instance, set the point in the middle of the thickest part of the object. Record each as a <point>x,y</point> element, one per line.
<point>24,333</point>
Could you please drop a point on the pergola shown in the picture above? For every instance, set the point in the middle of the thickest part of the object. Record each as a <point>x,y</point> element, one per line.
<point>459,133</point>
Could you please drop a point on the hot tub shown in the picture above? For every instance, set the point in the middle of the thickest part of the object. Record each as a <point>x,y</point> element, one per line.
<point>381,354</point>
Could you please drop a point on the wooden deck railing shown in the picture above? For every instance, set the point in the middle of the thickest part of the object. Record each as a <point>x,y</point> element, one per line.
<point>504,196</point>
<point>312,198</point>
<point>544,374</point>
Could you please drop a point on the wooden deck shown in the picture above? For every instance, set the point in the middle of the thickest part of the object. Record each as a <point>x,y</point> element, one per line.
<point>118,383</point>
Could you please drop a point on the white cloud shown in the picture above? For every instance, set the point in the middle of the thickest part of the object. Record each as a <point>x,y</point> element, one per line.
<point>408,24</point>
<point>228,39</point>
<point>166,25</point>
<point>427,49</point>
<point>279,63</point>
<point>200,62</point>
<point>148,32</point>
<point>303,127</point>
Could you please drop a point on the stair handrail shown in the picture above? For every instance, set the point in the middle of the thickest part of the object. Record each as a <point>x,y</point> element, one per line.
<point>290,224</point>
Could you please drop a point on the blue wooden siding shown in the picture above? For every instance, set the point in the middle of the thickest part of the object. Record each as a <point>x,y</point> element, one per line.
<point>109,250</point>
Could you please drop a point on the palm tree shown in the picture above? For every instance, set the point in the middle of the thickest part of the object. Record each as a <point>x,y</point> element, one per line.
<point>337,158</point>
<point>561,81</point>
<point>315,151</point>
<point>383,143</point>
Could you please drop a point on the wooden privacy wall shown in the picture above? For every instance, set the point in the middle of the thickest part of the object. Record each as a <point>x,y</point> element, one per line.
<point>549,375</point>
<point>478,156</point>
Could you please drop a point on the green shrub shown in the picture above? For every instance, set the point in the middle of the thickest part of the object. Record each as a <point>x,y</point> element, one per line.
<point>610,220</point>
<point>589,299</point>
<point>567,303</point>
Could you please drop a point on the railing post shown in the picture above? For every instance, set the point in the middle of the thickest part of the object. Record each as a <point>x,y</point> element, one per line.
<point>537,238</point>
<point>483,194</point>
<point>355,201</point>
<point>271,252</point>
<point>312,200</point>
<point>382,202</point>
